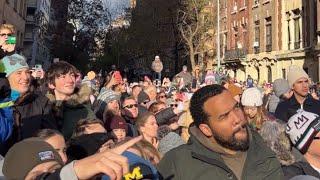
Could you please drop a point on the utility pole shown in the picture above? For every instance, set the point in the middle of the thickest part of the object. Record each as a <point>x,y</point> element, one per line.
<point>218,34</point>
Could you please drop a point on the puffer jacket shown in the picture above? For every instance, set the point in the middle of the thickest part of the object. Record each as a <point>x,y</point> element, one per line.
<point>195,161</point>
<point>31,113</point>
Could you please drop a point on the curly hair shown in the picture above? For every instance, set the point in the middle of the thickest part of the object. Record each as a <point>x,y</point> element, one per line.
<point>10,27</point>
<point>199,98</point>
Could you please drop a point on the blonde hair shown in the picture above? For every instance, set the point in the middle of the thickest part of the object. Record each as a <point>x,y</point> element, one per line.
<point>10,27</point>
<point>259,118</point>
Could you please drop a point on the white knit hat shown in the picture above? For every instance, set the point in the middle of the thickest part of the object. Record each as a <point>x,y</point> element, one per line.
<point>296,73</point>
<point>302,128</point>
<point>251,97</point>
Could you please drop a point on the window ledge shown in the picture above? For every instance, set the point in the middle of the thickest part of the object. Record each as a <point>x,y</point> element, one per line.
<point>255,6</point>
<point>243,8</point>
<point>265,2</point>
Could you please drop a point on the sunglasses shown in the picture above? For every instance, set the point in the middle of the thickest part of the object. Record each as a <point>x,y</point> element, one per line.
<point>9,34</point>
<point>131,106</point>
<point>317,138</point>
<point>173,105</point>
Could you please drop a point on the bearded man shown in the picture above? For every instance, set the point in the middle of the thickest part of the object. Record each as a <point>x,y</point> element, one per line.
<point>221,145</point>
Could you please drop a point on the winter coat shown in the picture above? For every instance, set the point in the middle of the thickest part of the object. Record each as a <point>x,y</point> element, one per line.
<point>289,107</point>
<point>68,113</point>
<point>132,128</point>
<point>6,119</point>
<point>187,77</point>
<point>195,161</point>
<point>31,112</point>
<point>299,168</point>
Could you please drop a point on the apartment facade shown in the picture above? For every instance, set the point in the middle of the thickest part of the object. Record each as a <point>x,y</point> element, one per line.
<point>264,37</point>
<point>36,45</point>
<point>277,35</point>
<point>234,35</point>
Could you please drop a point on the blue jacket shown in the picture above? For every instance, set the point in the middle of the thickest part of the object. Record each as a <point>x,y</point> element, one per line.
<point>6,119</point>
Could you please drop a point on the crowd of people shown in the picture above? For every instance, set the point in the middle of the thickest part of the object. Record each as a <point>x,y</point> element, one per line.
<point>62,124</point>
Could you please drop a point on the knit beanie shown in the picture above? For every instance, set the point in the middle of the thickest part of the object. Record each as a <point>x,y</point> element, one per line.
<point>170,141</point>
<point>10,64</point>
<point>118,122</point>
<point>251,97</point>
<point>142,97</point>
<point>210,77</point>
<point>108,96</point>
<point>296,73</point>
<point>302,128</point>
<point>27,154</point>
<point>280,86</point>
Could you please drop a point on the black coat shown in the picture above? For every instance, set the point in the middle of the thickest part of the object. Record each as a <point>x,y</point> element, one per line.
<point>299,168</point>
<point>288,108</point>
<point>31,113</point>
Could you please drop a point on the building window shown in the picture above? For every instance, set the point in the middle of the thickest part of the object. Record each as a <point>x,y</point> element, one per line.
<point>269,74</point>
<point>256,43</point>
<point>289,37</point>
<point>268,34</point>
<point>15,5</point>
<point>284,74</point>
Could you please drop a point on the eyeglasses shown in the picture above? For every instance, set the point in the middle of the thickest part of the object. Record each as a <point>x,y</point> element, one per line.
<point>4,34</point>
<point>130,106</point>
<point>173,105</point>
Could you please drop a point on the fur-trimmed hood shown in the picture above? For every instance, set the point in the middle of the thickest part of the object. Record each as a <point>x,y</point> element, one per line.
<point>80,96</point>
<point>273,133</point>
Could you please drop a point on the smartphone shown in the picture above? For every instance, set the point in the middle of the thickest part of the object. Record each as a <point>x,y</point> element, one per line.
<point>38,66</point>
<point>194,84</point>
<point>117,76</point>
<point>11,40</point>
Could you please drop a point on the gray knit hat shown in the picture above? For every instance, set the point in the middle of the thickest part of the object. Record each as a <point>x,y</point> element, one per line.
<point>280,86</point>
<point>108,96</point>
<point>170,141</point>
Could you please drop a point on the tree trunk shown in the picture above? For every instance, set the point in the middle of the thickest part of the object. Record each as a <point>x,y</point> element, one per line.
<point>192,60</point>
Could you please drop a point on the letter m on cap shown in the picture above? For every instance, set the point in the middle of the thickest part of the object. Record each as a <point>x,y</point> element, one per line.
<point>136,174</point>
<point>300,121</point>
